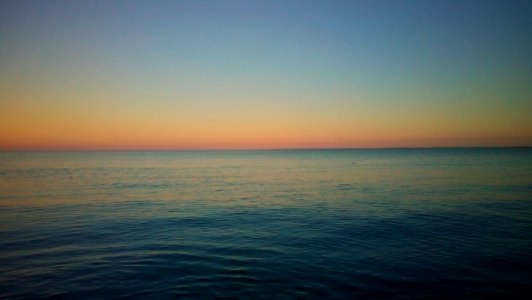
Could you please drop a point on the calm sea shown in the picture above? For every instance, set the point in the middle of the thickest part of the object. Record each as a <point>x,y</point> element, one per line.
<point>313,224</point>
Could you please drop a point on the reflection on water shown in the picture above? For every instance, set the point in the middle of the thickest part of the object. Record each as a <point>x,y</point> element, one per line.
<point>310,224</point>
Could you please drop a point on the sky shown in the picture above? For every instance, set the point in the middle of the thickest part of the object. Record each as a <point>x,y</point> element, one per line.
<point>264,74</point>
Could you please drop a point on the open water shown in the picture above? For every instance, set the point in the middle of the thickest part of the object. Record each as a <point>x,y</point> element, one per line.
<point>295,224</point>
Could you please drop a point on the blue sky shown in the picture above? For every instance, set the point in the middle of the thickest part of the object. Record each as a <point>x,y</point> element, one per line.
<point>364,72</point>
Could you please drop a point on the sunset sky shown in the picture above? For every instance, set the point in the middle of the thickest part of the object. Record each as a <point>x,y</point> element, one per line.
<point>264,74</point>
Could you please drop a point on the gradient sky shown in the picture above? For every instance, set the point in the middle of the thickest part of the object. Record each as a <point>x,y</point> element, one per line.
<point>264,74</point>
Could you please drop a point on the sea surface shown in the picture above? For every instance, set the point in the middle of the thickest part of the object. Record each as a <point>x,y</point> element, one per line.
<point>283,224</point>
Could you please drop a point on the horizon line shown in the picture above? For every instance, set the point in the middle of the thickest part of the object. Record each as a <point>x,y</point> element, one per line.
<point>257,149</point>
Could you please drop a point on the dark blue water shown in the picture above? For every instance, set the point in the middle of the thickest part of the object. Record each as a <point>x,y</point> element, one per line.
<point>436,223</point>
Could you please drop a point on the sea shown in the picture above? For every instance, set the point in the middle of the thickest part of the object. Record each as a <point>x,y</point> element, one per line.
<point>449,223</point>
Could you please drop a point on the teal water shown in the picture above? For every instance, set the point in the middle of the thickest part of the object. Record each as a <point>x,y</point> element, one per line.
<point>295,224</point>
